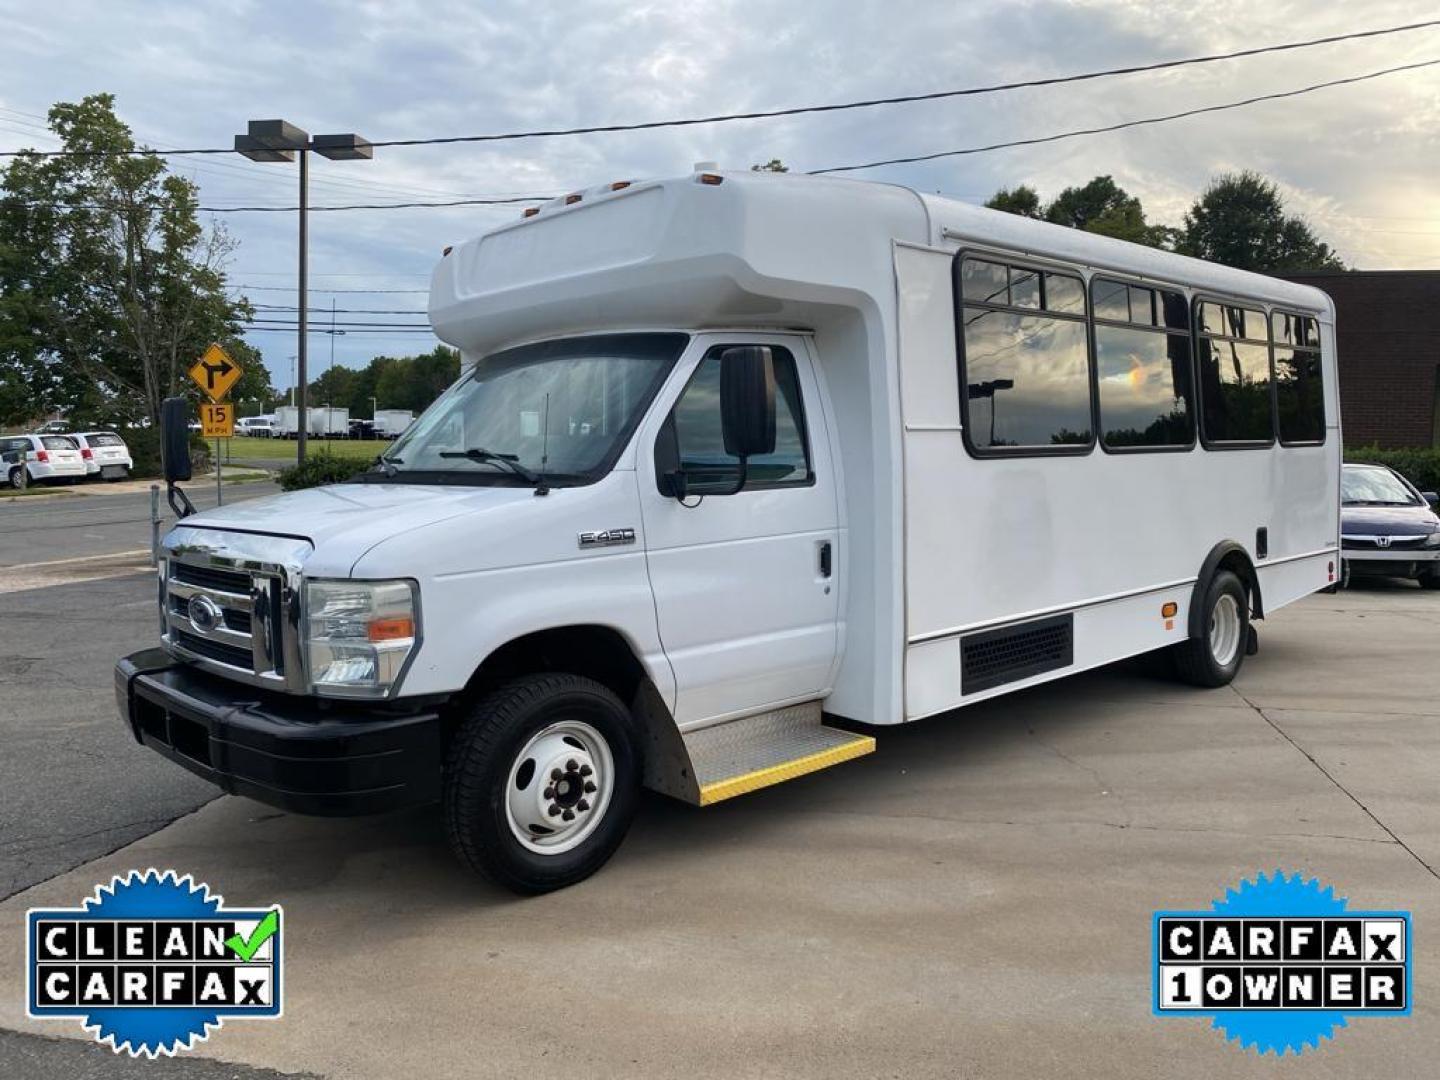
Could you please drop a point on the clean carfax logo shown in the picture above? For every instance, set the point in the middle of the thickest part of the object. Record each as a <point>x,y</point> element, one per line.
<point>1279,963</point>
<point>151,962</point>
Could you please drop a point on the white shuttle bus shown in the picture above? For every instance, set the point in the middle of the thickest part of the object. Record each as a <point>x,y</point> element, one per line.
<point>741,468</point>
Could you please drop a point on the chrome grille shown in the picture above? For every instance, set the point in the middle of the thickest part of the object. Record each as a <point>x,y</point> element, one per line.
<point>230,603</point>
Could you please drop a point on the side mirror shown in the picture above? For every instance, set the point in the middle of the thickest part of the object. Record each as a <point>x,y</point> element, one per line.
<point>747,402</point>
<point>175,439</point>
<point>1431,497</point>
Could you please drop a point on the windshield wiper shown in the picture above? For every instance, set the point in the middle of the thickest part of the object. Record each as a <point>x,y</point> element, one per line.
<point>387,465</point>
<point>508,461</point>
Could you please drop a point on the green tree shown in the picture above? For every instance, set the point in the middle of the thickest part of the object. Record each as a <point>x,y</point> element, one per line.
<point>1101,206</point>
<point>773,165</point>
<point>1023,201</point>
<point>1240,221</point>
<point>413,382</point>
<point>111,285</point>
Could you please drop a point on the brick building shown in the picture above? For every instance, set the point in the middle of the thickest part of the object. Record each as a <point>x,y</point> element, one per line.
<point>1387,330</point>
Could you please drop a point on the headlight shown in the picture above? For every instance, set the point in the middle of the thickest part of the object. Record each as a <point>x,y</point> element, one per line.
<point>359,634</point>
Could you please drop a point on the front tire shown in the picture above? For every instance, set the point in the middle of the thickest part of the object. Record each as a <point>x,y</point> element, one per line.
<point>1214,658</point>
<point>541,782</point>
<point>1430,579</point>
<point>18,478</point>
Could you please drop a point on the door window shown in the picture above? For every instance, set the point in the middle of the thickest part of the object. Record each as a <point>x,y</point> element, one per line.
<point>692,439</point>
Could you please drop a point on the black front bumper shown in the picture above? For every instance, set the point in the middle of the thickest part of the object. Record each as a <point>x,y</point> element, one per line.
<point>334,759</point>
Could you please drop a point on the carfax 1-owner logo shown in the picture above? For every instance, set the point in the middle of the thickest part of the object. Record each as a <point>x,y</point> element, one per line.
<point>1280,963</point>
<point>152,962</point>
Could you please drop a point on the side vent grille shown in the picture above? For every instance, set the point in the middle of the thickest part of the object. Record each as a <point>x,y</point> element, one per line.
<point>996,657</point>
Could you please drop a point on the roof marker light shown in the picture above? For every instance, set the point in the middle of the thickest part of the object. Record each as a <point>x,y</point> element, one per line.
<point>530,211</point>
<point>710,178</point>
<point>620,185</point>
<point>573,198</point>
<point>447,249</point>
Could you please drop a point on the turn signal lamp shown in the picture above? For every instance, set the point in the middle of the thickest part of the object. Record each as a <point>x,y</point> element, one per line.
<point>1168,610</point>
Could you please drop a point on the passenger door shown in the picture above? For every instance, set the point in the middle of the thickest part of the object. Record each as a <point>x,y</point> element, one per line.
<point>745,583</point>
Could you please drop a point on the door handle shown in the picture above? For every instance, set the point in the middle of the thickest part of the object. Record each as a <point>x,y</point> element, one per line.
<point>825,559</point>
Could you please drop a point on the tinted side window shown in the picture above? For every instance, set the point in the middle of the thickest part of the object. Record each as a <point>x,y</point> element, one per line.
<point>698,443</point>
<point>1025,358</point>
<point>1299,389</point>
<point>1143,366</point>
<point>1234,368</point>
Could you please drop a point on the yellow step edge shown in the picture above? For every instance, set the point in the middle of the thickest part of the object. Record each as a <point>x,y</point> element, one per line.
<point>720,790</point>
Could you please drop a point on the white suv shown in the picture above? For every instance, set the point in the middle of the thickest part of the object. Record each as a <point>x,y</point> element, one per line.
<point>105,454</point>
<point>28,458</point>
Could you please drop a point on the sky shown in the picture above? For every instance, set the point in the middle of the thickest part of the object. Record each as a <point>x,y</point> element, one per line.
<point>1360,163</point>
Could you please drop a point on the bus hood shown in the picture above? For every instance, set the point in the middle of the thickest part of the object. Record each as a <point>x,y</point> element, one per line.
<point>344,521</point>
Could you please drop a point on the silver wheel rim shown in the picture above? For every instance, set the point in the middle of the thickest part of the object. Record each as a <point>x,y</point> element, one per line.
<point>1225,630</point>
<point>559,787</point>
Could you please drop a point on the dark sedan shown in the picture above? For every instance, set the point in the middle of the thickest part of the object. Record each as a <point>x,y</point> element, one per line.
<point>1387,528</point>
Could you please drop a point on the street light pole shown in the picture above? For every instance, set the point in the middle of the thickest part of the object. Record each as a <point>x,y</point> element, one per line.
<point>280,140</point>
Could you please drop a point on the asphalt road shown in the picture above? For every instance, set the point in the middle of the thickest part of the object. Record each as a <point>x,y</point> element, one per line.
<point>974,899</point>
<point>42,529</point>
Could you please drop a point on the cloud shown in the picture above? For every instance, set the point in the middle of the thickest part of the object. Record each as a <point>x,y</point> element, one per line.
<point>1358,162</point>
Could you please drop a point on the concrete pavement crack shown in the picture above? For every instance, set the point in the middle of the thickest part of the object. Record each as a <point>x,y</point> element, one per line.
<point>1105,789</point>
<point>1334,780</point>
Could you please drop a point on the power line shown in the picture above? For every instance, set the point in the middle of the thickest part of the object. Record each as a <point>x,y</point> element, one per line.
<point>1124,124</point>
<point>327,292</point>
<point>342,311</point>
<point>766,114</point>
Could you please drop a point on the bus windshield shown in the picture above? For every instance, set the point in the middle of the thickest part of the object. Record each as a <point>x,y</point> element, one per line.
<point>559,409</point>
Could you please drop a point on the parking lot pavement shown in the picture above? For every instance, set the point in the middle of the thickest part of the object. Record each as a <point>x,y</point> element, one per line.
<point>72,785</point>
<point>972,900</point>
<point>34,529</point>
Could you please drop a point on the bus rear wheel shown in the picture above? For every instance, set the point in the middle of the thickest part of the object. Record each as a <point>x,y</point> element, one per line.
<point>541,782</point>
<point>1214,658</point>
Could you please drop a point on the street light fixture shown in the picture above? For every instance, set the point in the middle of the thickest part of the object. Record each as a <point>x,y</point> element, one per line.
<point>280,140</point>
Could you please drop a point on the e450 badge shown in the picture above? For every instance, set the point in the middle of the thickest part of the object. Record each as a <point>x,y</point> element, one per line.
<point>152,962</point>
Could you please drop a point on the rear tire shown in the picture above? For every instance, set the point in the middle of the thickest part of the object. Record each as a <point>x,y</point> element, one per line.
<point>18,478</point>
<point>526,758</point>
<point>1430,579</point>
<point>1214,658</point>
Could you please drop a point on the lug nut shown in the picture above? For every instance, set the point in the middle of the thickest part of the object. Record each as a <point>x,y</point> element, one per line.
<point>570,765</point>
<point>582,805</point>
<point>589,787</point>
<point>585,770</point>
<point>549,793</point>
<point>569,815</point>
<point>555,774</point>
<point>554,809</point>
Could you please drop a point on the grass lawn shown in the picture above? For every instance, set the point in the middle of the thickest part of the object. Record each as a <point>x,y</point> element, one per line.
<point>252,449</point>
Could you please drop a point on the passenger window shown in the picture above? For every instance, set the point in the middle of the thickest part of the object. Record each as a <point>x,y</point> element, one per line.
<point>693,440</point>
<point>1299,389</point>
<point>1025,359</point>
<point>1235,375</point>
<point>1144,371</point>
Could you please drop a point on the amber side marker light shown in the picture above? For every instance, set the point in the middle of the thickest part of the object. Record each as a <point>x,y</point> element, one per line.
<point>530,211</point>
<point>573,198</point>
<point>620,185</point>
<point>1168,610</point>
<point>710,178</point>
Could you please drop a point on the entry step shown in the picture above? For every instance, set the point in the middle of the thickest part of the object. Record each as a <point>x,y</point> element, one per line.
<point>768,748</point>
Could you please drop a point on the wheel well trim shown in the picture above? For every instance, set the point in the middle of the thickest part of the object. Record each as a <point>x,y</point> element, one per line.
<point>1226,555</point>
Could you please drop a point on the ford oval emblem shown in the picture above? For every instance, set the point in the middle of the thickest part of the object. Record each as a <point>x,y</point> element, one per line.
<point>204,613</point>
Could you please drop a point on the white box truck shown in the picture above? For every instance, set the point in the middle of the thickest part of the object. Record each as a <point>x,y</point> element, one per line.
<point>329,422</point>
<point>287,422</point>
<point>391,423</point>
<point>741,468</point>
